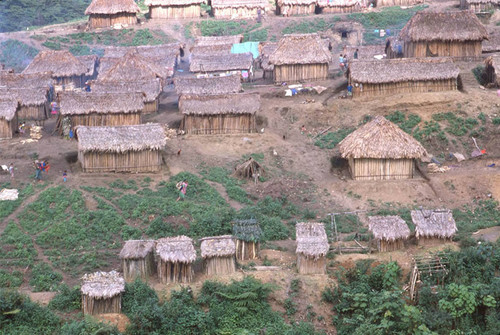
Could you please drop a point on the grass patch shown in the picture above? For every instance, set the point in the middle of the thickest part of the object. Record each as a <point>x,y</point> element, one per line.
<point>331,139</point>
<point>43,278</point>
<point>457,125</point>
<point>232,185</point>
<point>250,31</point>
<point>310,26</point>
<point>16,54</point>
<point>483,214</point>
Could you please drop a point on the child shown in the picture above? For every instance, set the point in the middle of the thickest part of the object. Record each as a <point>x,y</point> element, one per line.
<point>182,187</point>
<point>11,170</point>
<point>65,175</point>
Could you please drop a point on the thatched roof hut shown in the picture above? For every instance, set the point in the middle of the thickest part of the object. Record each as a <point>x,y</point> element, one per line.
<point>101,292</point>
<point>238,9</point>
<point>237,63</point>
<point>132,67</point>
<point>147,51</point>
<point>433,224</point>
<point>174,9</point>
<point>381,150</point>
<point>481,6</point>
<point>295,7</point>
<point>207,86</point>
<point>211,50</point>
<point>33,102</point>
<point>176,257</point>
<point>339,6</point>
<point>300,57</point>
<point>8,118</point>
<point>390,231</point>
<point>33,80</point>
<point>121,149</point>
<point>91,63</point>
<point>138,259</point>
<point>218,253</point>
<point>107,13</point>
<point>250,169</point>
<point>248,235</point>
<point>312,247</point>
<point>219,114</point>
<point>218,40</point>
<point>492,44</point>
<point>492,70</point>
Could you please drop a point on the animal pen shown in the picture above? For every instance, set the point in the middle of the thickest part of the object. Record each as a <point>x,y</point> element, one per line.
<point>218,255</point>
<point>219,114</point>
<point>247,234</point>
<point>295,7</point>
<point>121,149</point>
<point>33,102</point>
<point>107,13</point>
<point>102,293</point>
<point>312,247</point>
<point>176,256</point>
<point>380,150</point>
<point>8,118</point>
<point>433,226</point>
<point>390,232</point>
<point>174,9</point>
<point>431,268</point>
<point>138,259</point>
<point>238,9</point>
<point>208,85</point>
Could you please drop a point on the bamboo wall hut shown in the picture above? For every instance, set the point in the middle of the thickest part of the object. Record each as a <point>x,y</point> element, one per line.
<point>443,34</point>
<point>207,86</point>
<point>218,255</point>
<point>150,89</point>
<point>67,71</point>
<point>392,3</point>
<point>339,6</point>
<point>481,6</point>
<point>33,102</point>
<point>312,247</point>
<point>176,256</point>
<point>247,234</point>
<point>91,62</point>
<point>295,7</point>
<point>219,114</point>
<point>174,9</point>
<point>405,75</point>
<point>380,150</point>
<point>107,13</point>
<point>121,149</point>
<point>390,232</point>
<point>102,293</point>
<point>241,64</point>
<point>266,49</point>
<point>218,40</point>
<point>238,9</point>
<point>433,225</point>
<point>138,260</point>
<point>100,109</point>
<point>8,118</point>
<point>300,57</point>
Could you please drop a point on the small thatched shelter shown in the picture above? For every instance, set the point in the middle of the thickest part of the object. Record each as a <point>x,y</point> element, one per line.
<point>150,89</point>
<point>176,257</point>
<point>433,225</point>
<point>312,247</point>
<point>100,109</point>
<point>138,260</point>
<point>174,9</point>
<point>102,293</point>
<point>207,86</point>
<point>295,7</point>
<point>492,68</point>
<point>389,231</point>
<point>121,149</point>
<point>241,64</point>
<point>492,44</point>
<point>249,169</point>
<point>67,71</point>
<point>481,6</point>
<point>218,40</point>
<point>339,6</point>
<point>442,34</point>
<point>219,114</point>
<point>91,62</point>
<point>33,102</point>
<point>8,118</point>
<point>238,9</point>
<point>107,13</point>
<point>265,50</point>
<point>406,75</point>
<point>218,255</point>
<point>300,57</point>
<point>247,234</point>
<point>380,150</point>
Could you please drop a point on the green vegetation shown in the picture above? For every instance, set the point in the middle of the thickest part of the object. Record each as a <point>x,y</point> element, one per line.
<point>43,278</point>
<point>457,125</point>
<point>480,74</point>
<point>310,26</point>
<point>484,214</point>
<point>232,185</point>
<point>331,139</point>
<point>16,54</point>
<point>67,299</point>
<point>250,31</point>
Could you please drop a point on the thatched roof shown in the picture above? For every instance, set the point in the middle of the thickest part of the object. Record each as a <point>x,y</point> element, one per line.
<point>311,239</point>
<point>444,26</point>
<point>296,2</point>
<point>132,66</point>
<point>434,223</point>
<point>25,97</point>
<point>151,89</point>
<point>149,136</point>
<point>217,246</point>
<point>147,51</point>
<point>239,3</point>
<point>61,63</point>
<point>207,86</point>
<point>388,228</point>
<point>402,69</point>
<point>247,230</point>
<point>72,103</point>
<point>219,104</point>
<point>177,249</point>
<point>492,44</point>
<point>338,3</point>
<point>208,50</point>
<point>172,2</point>
<point>35,80</point>
<point>89,62</point>
<point>266,49</point>
<point>112,7</point>
<point>217,40</point>
<point>230,62</point>
<point>137,249</point>
<point>381,139</point>
<point>8,108</point>
<point>300,49</point>
<point>102,285</point>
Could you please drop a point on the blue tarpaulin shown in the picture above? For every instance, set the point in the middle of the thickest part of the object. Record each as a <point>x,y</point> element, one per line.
<point>240,48</point>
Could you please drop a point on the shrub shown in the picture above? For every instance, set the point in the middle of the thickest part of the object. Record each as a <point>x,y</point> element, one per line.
<point>10,280</point>
<point>67,299</point>
<point>88,326</point>
<point>331,139</point>
<point>43,278</point>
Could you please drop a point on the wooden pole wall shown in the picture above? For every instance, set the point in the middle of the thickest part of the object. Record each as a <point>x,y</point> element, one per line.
<point>288,10</point>
<point>387,246</point>
<point>169,272</point>
<point>138,268</point>
<point>93,306</point>
<point>236,12</point>
<point>299,72</point>
<point>151,107</point>
<point>392,3</point>
<point>35,113</point>
<point>175,12</point>
<point>381,169</point>
<point>7,128</point>
<point>219,124</point>
<point>219,265</point>
<point>130,161</point>
<point>364,90</point>
<point>110,119</point>
<point>247,250</point>
<point>466,49</point>
<point>103,21</point>
<point>341,9</point>
<point>310,265</point>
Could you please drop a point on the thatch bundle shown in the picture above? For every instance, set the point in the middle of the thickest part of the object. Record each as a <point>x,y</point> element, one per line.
<point>300,49</point>
<point>112,7</point>
<point>218,254</point>
<point>8,108</point>
<point>101,292</point>
<point>219,104</point>
<point>207,86</point>
<point>248,235</point>
<point>176,255</point>
<point>74,103</point>
<point>438,223</point>
<point>238,8</point>
<point>312,247</point>
<point>221,63</point>
<point>390,231</point>
<point>138,259</point>
<point>218,40</point>
<point>61,63</point>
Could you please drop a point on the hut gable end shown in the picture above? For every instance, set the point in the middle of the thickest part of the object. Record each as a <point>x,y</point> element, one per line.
<point>311,239</point>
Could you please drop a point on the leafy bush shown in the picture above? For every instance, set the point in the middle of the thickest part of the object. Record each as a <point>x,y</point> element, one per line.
<point>9,280</point>
<point>496,120</point>
<point>80,50</point>
<point>67,299</point>
<point>331,139</point>
<point>16,54</point>
<point>310,26</point>
<point>88,326</point>
<point>221,27</point>
<point>480,74</point>
<point>52,45</point>
<point>256,35</point>
<point>43,278</point>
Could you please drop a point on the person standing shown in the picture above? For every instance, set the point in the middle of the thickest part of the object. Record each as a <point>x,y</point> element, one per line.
<point>65,176</point>
<point>182,186</point>
<point>11,171</point>
<point>356,54</point>
<point>38,171</point>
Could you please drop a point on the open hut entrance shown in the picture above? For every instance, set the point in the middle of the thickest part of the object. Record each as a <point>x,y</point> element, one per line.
<point>343,35</point>
<point>431,269</point>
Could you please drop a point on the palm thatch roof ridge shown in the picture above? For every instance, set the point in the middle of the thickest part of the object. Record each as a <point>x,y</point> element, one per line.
<point>177,249</point>
<point>219,104</point>
<point>300,49</point>
<point>60,62</point>
<point>137,249</point>
<point>85,103</point>
<point>217,246</point>
<point>434,223</point>
<point>150,88</point>
<point>120,139</point>
<point>213,63</point>
<point>388,228</point>
<point>102,285</point>
<point>247,230</point>
<point>217,40</point>
<point>311,239</point>
<point>208,86</point>
<point>381,139</point>
<point>25,96</point>
<point>112,7</point>
<point>239,3</point>
<point>8,108</point>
